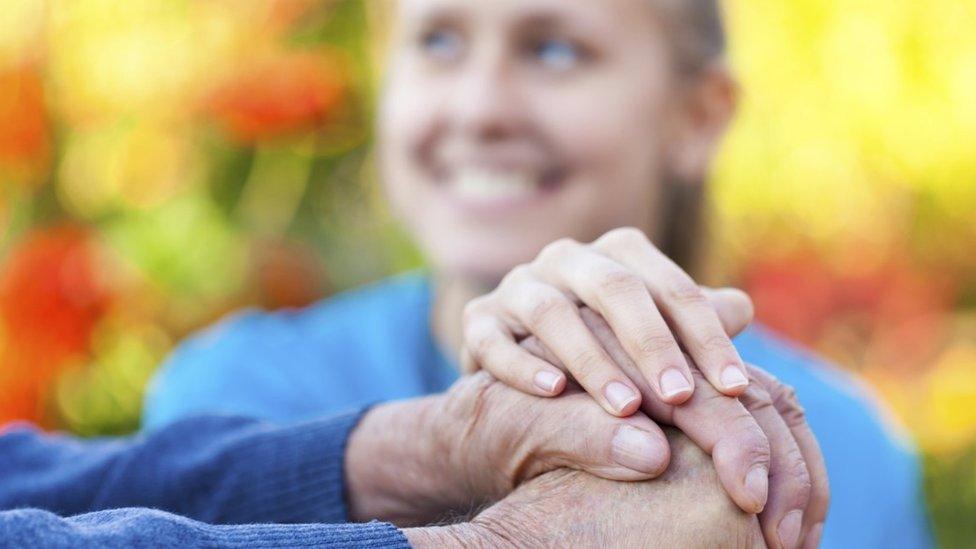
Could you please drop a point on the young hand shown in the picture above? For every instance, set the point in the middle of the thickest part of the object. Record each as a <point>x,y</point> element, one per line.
<point>654,308</point>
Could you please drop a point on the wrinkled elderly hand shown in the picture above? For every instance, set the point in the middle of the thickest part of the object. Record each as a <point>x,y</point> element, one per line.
<point>684,508</point>
<point>421,460</point>
<point>760,443</point>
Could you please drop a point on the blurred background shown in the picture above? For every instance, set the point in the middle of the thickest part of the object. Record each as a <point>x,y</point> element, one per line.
<point>165,162</point>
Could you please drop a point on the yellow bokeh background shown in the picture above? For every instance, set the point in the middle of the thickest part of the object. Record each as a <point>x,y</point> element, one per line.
<point>163,162</point>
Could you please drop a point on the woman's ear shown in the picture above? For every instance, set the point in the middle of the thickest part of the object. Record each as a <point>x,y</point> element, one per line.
<point>705,110</point>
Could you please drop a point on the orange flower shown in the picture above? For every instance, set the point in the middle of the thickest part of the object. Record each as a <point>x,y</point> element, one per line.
<point>24,135</point>
<point>286,94</point>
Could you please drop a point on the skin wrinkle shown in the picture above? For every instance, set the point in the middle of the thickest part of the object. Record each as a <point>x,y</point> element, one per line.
<point>789,407</point>
<point>474,419</point>
<point>524,456</point>
<point>708,519</point>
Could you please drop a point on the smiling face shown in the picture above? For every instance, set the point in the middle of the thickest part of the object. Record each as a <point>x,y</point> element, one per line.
<point>508,124</point>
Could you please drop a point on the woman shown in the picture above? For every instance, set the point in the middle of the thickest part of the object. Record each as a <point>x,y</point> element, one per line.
<point>506,126</point>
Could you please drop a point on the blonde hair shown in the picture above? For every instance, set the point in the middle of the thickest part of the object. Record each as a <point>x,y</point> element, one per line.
<point>697,37</point>
<point>697,34</point>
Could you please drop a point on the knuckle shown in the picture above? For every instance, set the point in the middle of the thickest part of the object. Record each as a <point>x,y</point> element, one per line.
<point>474,309</point>
<point>756,399</point>
<point>466,396</point>
<point>517,275</point>
<point>558,248</point>
<point>785,401</point>
<point>750,436</point>
<point>626,236</point>
<point>802,485</point>
<point>683,291</point>
<point>655,343</point>
<point>480,347</point>
<point>620,283</point>
<point>587,365</point>
<point>716,343</point>
<point>478,328</point>
<point>545,307</point>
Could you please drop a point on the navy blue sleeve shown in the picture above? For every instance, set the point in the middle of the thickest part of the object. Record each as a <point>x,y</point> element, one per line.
<point>220,470</point>
<point>151,528</point>
<point>229,478</point>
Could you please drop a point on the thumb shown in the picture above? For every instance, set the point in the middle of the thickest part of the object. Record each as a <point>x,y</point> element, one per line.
<point>588,438</point>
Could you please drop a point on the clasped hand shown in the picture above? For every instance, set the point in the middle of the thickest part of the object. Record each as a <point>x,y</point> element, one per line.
<point>628,343</point>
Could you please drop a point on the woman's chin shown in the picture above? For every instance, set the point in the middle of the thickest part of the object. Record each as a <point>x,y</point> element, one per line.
<point>482,262</point>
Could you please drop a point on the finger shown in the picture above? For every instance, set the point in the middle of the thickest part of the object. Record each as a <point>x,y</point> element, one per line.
<point>788,407</point>
<point>812,540</point>
<point>740,448</point>
<point>754,451</point>
<point>718,424</point>
<point>544,311</point>
<point>587,438</point>
<point>733,307</point>
<point>684,306</point>
<point>622,299</point>
<point>789,478</point>
<point>492,347</point>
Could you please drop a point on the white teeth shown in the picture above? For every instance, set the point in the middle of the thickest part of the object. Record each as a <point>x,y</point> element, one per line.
<point>476,184</point>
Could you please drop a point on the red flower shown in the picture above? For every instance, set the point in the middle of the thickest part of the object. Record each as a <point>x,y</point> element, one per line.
<point>286,94</point>
<point>794,296</point>
<point>802,297</point>
<point>286,274</point>
<point>50,300</point>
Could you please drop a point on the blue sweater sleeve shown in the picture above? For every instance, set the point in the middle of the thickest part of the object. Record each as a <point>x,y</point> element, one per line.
<point>152,528</point>
<point>220,470</point>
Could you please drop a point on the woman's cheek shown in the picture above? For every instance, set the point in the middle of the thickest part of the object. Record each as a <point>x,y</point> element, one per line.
<point>405,121</point>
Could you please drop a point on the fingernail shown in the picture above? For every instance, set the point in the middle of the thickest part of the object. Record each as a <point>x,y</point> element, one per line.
<point>816,533</point>
<point>733,378</point>
<point>635,449</point>
<point>546,380</point>
<point>619,395</point>
<point>757,483</point>
<point>789,528</point>
<point>673,383</point>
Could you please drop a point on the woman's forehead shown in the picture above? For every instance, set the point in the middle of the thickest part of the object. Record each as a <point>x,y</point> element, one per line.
<point>608,13</point>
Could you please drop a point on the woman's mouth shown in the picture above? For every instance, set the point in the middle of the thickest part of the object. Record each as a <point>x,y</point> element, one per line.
<point>496,191</point>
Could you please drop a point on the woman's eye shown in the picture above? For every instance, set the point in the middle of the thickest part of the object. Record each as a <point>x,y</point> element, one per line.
<point>443,45</point>
<point>557,54</point>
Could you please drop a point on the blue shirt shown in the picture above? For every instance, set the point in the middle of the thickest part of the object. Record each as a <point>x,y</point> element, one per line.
<point>201,482</point>
<point>375,344</point>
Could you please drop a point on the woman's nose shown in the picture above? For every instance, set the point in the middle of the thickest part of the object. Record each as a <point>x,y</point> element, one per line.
<point>487,105</point>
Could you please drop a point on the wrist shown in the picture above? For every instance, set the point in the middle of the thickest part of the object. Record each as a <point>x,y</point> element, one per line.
<point>466,535</point>
<point>396,464</point>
